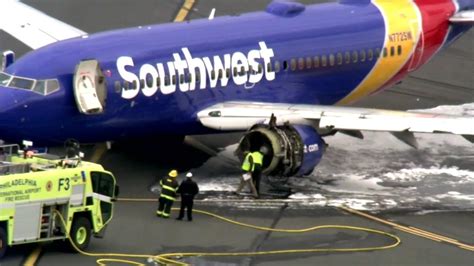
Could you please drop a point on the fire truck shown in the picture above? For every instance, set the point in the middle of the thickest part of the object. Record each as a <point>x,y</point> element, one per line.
<point>46,198</point>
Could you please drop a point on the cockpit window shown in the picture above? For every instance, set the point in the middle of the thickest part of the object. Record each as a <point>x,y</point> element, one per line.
<point>43,87</point>
<point>40,87</point>
<point>52,85</point>
<point>21,83</point>
<point>4,79</point>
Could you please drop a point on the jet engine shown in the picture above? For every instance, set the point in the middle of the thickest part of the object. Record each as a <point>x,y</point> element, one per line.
<point>293,150</point>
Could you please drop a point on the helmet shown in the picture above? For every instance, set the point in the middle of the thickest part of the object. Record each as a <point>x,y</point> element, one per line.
<point>189,174</point>
<point>264,149</point>
<point>173,173</point>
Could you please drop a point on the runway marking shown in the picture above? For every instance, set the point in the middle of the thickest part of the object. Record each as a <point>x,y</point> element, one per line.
<point>33,257</point>
<point>184,11</point>
<point>412,230</point>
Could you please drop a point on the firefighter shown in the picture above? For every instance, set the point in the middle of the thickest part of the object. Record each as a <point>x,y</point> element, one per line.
<point>169,186</point>
<point>188,190</point>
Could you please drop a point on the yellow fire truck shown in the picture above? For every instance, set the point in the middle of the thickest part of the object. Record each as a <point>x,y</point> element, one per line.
<point>36,190</point>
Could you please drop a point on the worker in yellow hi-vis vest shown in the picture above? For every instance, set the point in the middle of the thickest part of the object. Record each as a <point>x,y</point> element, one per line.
<point>169,185</point>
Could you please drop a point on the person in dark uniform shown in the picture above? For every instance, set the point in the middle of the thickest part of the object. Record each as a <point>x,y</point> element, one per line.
<point>169,185</point>
<point>188,190</point>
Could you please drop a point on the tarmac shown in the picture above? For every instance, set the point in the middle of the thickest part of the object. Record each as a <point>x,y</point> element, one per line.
<point>447,237</point>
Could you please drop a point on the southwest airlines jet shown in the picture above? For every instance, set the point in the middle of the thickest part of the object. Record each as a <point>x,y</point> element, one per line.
<point>284,77</point>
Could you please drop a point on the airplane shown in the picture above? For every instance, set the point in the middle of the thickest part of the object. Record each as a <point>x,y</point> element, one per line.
<point>284,77</point>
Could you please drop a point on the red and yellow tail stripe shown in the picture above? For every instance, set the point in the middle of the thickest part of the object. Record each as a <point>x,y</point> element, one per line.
<point>402,28</point>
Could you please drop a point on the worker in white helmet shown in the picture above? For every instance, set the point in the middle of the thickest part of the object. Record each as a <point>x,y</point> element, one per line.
<point>188,190</point>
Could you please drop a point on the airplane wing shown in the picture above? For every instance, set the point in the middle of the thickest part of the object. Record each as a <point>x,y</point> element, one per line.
<point>463,17</point>
<point>234,116</point>
<point>33,27</point>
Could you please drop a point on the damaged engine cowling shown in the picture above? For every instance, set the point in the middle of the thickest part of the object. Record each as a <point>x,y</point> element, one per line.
<point>294,150</point>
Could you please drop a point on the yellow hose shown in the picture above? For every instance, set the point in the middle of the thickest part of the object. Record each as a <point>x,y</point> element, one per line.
<point>171,258</point>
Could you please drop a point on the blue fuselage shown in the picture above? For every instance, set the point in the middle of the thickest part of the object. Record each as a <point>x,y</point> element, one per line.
<point>320,56</point>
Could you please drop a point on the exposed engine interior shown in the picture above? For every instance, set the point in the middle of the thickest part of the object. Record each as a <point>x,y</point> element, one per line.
<point>293,150</point>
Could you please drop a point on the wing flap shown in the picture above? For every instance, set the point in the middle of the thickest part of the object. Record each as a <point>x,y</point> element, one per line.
<point>33,27</point>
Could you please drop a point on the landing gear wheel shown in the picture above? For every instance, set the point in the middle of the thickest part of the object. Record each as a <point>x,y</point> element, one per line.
<point>80,233</point>
<point>3,242</point>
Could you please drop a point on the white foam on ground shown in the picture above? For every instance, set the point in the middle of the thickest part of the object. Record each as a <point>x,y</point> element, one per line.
<point>417,174</point>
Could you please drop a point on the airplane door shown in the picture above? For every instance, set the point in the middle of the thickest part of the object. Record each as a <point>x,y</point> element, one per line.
<point>90,89</point>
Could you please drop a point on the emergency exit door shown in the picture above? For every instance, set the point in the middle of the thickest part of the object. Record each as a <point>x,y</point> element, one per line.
<point>90,89</point>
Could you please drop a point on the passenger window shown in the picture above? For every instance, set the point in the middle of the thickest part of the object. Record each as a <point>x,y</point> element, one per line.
<point>242,70</point>
<point>181,78</point>
<point>221,74</point>
<point>142,83</point>
<point>134,85</point>
<point>269,67</point>
<point>324,61</point>
<point>347,57</point>
<point>385,52</point>
<point>260,68</point>
<point>198,77</point>
<point>158,82</point>
<point>309,63</point>
<point>332,60</point>
<point>213,74</point>
<point>399,50</point>
<point>126,85</point>
<point>285,65</point>
<point>277,66</point>
<point>370,55</point>
<point>117,86</point>
<point>392,51</point>
<point>227,73</point>
<point>355,57</point>
<point>173,79</point>
<point>149,81</point>
<point>339,58</point>
<point>293,64</point>
<point>377,53</point>
<point>301,64</point>
<point>234,73</point>
<point>40,86</point>
<point>167,80</point>
<point>363,55</point>
<point>316,61</point>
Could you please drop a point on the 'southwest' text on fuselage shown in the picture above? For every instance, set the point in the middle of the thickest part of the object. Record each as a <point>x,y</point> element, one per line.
<point>185,73</point>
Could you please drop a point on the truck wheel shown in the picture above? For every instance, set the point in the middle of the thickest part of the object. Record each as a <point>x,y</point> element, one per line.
<point>3,242</point>
<point>80,233</point>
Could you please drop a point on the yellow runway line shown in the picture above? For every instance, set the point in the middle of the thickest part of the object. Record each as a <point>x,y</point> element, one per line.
<point>33,257</point>
<point>184,11</point>
<point>412,230</point>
